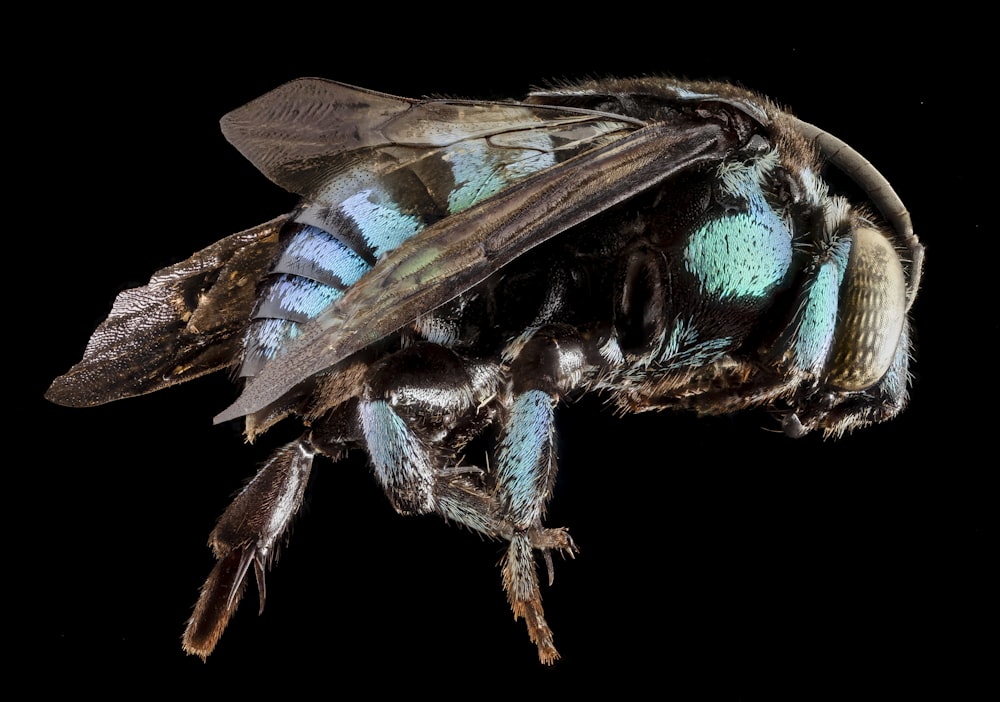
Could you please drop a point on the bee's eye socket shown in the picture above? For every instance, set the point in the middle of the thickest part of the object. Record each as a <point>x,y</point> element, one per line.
<point>872,313</point>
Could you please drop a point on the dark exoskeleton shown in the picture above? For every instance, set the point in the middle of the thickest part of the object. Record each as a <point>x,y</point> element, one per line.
<point>455,268</point>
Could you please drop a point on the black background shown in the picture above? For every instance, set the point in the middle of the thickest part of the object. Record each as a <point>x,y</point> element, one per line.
<point>718,559</point>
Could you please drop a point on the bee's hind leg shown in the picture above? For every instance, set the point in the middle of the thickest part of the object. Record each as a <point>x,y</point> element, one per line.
<point>248,535</point>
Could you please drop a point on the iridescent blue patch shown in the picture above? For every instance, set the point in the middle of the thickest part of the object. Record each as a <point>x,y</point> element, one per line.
<point>313,253</point>
<point>481,170</point>
<point>296,298</point>
<point>383,224</point>
<point>745,254</point>
<point>523,448</point>
<point>818,319</point>
<point>265,339</point>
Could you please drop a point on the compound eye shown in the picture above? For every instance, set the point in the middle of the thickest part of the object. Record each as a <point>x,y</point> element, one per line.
<point>873,310</point>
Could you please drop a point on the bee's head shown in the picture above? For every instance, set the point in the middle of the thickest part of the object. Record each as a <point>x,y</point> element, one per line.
<point>864,376</point>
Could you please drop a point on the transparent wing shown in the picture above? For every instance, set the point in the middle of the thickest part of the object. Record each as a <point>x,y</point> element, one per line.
<point>306,131</point>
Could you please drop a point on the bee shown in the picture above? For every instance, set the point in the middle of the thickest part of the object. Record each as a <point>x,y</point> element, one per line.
<point>455,269</point>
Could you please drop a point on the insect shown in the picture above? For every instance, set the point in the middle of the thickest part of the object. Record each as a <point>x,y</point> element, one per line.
<point>456,268</point>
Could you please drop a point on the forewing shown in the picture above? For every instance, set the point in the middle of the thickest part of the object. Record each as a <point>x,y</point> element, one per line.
<point>308,130</point>
<point>295,133</point>
<point>456,253</point>
<point>188,321</point>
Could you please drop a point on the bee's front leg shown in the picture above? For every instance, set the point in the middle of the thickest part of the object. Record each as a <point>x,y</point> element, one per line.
<point>551,362</point>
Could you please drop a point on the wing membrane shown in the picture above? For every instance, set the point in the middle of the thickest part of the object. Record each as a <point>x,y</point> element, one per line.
<point>304,131</point>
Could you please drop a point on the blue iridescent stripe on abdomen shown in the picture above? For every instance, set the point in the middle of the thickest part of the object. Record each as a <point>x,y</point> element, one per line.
<point>312,273</point>
<point>314,253</point>
<point>295,298</point>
